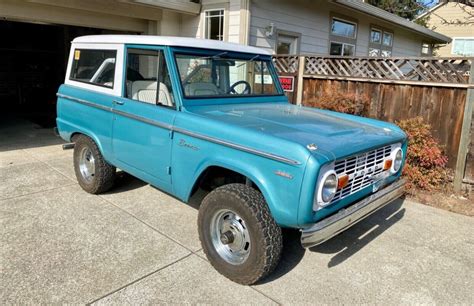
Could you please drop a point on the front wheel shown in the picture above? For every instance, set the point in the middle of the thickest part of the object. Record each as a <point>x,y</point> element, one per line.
<point>238,234</point>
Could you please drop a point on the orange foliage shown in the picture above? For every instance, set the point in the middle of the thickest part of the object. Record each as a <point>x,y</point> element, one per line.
<point>343,102</point>
<point>426,164</point>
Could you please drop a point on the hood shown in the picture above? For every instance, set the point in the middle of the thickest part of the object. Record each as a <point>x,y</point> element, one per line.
<point>335,135</point>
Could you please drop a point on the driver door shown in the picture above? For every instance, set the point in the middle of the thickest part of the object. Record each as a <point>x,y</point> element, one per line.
<point>144,116</point>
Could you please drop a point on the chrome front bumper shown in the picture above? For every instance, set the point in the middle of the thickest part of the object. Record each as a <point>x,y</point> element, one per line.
<point>345,218</point>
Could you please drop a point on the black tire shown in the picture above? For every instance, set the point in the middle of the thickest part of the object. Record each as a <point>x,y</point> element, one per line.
<point>265,235</point>
<point>104,173</point>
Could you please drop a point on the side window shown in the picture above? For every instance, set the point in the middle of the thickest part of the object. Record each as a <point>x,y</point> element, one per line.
<point>95,67</point>
<point>147,78</point>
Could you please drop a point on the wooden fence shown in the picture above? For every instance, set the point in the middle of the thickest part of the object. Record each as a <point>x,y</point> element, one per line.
<point>441,90</point>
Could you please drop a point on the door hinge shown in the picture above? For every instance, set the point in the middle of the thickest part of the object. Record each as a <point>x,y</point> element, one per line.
<point>168,170</point>
<point>171,133</point>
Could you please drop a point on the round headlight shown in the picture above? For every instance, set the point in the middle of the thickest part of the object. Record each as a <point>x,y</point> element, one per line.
<point>329,187</point>
<point>397,161</point>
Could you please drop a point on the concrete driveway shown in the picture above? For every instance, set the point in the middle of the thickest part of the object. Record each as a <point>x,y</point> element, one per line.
<point>136,244</point>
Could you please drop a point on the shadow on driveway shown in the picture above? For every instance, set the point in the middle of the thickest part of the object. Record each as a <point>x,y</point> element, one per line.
<point>125,182</point>
<point>354,239</point>
<point>17,133</point>
<point>344,245</point>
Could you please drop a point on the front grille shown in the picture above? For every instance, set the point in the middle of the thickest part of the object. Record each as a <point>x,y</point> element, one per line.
<point>360,169</point>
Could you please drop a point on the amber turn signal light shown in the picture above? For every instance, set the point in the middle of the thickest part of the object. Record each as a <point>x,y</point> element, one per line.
<point>342,181</point>
<point>388,164</point>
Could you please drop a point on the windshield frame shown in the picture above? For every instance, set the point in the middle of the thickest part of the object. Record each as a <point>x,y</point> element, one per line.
<point>227,99</point>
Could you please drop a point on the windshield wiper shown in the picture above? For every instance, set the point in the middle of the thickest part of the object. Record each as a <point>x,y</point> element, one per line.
<point>213,56</point>
<point>250,60</point>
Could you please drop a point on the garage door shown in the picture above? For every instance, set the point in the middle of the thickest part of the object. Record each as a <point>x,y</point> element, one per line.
<point>32,66</point>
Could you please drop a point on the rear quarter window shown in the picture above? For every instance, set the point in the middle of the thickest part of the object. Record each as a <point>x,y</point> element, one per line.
<point>95,67</point>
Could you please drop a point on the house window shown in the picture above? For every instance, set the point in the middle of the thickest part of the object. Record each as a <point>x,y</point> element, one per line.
<point>463,46</point>
<point>95,67</point>
<point>380,42</point>
<point>338,48</point>
<point>374,52</point>
<point>375,36</point>
<point>214,24</point>
<point>287,44</point>
<point>425,49</point>
<point>387,39</point>
<point>343,28</point>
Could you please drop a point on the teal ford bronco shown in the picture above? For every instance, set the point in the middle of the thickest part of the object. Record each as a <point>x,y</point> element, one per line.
<point>192,116</point>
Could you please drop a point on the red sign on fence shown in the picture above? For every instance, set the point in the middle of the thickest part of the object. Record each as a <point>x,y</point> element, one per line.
<point>287,82</point>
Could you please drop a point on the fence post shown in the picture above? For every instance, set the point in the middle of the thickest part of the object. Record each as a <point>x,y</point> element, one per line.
<point>299,88</point>
<point>465,133</point>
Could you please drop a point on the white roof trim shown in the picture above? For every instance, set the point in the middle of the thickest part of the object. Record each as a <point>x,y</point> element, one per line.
<point>169,41</point>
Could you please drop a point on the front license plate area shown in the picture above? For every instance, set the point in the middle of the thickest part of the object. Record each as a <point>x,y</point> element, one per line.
<point>380,181</point>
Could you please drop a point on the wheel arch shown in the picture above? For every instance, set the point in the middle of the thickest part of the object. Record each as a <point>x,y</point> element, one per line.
<point>254,177</point>
<point>76,133</point>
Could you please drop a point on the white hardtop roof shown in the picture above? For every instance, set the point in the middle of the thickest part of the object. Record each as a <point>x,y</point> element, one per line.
<point>169,41</point>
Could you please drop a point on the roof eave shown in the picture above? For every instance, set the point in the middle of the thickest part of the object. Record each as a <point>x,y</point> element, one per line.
<point>186,7</point>
<point>388,17</point>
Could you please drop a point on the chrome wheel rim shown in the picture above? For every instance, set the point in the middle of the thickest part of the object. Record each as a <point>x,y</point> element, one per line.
<point>87,164</point>
<point>230,236</point>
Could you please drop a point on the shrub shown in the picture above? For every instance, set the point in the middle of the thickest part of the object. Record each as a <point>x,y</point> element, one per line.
<point>343,102</point>
<point>425,166</point>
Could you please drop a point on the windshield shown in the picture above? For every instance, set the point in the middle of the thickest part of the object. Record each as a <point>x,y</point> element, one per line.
<point>222,76</point>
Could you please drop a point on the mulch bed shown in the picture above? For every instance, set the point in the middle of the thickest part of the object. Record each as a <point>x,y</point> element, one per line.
<point>461,204</point>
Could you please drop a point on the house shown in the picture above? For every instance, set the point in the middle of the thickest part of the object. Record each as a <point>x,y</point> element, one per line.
<point>333,27</point>
<point>36,34</point>
<point>338,27</point>
<point>455,20</point>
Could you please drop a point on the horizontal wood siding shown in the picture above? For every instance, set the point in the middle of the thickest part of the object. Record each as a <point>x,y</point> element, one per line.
<point>441,107</point>
<point>312,20</point>
<point>309,18</point>
<point>444,21</point>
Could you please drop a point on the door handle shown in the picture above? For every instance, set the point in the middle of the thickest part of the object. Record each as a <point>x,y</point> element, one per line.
<point>117,102</point>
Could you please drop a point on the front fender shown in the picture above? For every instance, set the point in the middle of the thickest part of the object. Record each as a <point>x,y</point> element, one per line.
<point>282,194</point>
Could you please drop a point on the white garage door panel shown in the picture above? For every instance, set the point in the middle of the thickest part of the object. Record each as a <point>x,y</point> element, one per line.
<point>19,10</point>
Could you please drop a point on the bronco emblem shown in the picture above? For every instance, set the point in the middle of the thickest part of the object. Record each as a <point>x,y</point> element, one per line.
<point>183,143</point>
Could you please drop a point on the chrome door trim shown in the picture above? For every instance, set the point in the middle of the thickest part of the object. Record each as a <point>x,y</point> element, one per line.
<point>237,146</point>
<point>116,111</point>
<point>183,131</point>
<point>85,102</point>
<point>143,119</point>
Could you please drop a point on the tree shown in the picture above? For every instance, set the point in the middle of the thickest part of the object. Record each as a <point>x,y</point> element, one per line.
<point>408,9</point>
<point>468,17</point>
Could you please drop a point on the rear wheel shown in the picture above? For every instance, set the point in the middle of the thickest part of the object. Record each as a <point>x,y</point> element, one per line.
<point>93,173</point>
<point>238,234</point>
